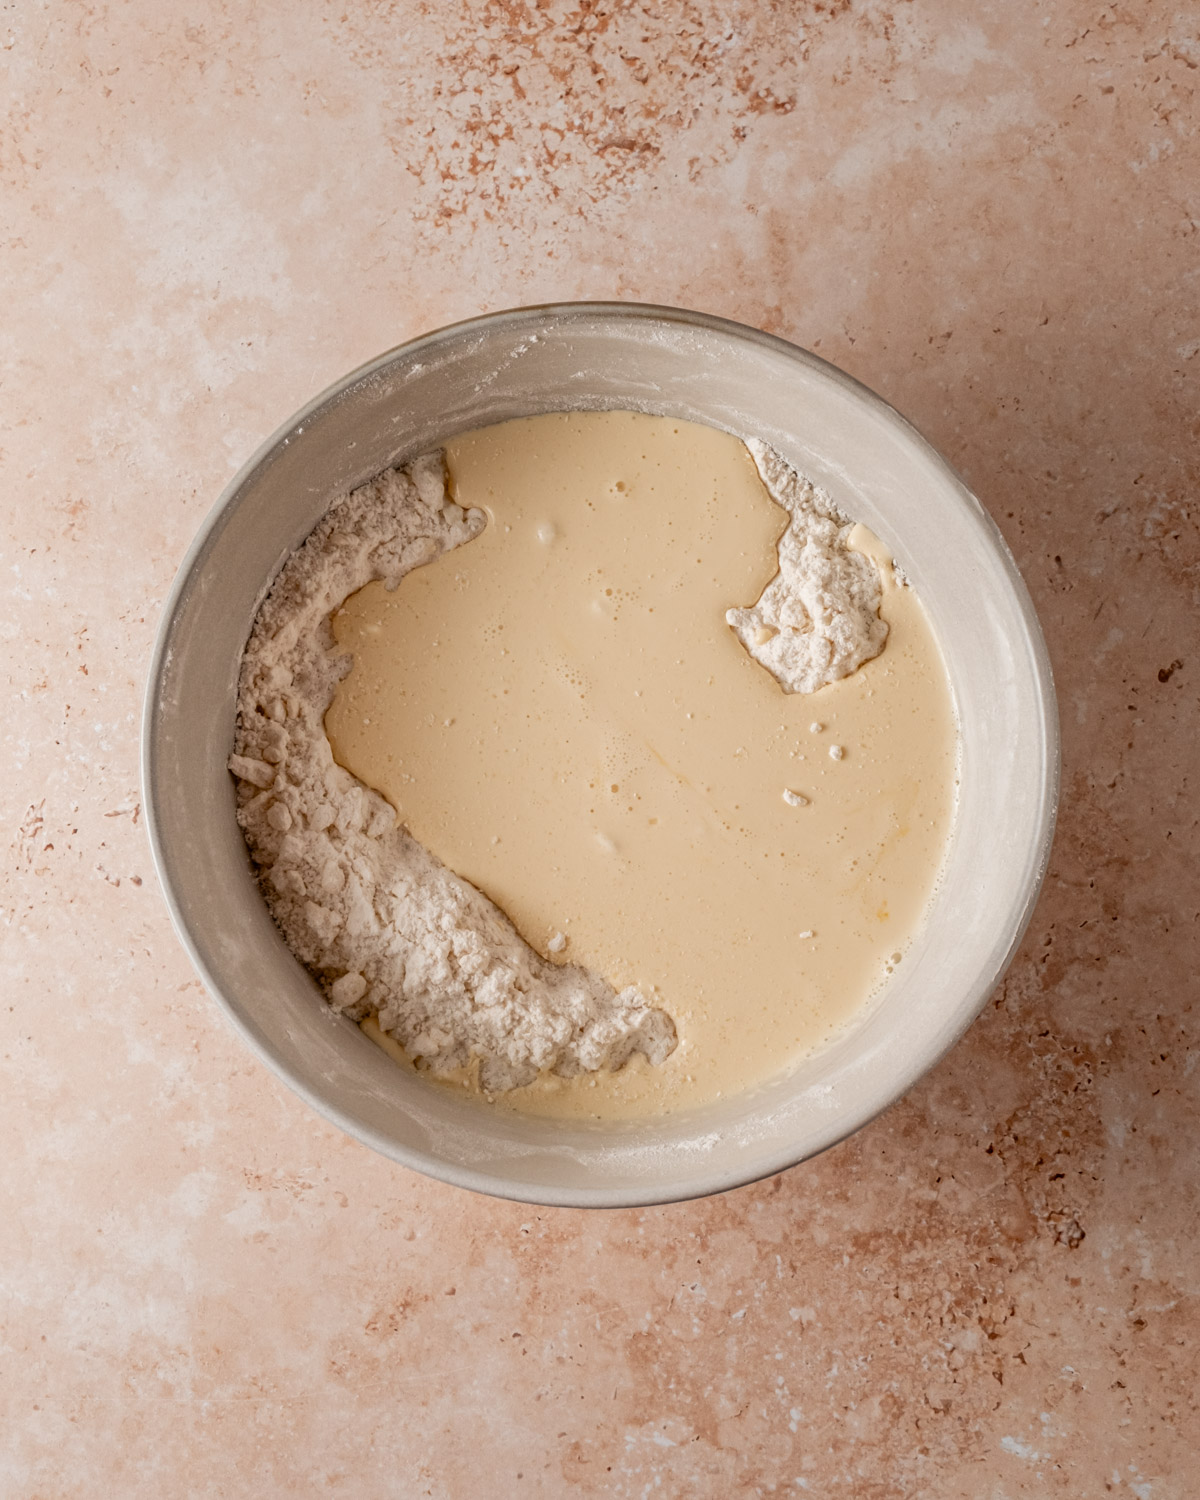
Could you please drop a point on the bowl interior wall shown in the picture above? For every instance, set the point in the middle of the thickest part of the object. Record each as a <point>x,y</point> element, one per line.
<point>595,357</point>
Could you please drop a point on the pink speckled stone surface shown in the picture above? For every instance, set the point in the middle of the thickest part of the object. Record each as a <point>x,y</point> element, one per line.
<point>988,212</point>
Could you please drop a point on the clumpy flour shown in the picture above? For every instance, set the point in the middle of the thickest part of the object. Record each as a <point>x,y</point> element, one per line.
<point>380,922</point>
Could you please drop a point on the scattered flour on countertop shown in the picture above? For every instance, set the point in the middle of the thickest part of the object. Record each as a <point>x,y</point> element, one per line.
<point>379,921</point>
<point>818,619</point>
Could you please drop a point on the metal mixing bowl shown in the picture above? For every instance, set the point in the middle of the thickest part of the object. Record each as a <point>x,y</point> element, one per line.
<point>589,356</point>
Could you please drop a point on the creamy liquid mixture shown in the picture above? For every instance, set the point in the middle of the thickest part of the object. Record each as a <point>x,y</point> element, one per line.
<point>559,711</point>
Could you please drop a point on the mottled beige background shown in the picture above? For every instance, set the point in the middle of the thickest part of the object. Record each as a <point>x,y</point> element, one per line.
<point>987,211</point>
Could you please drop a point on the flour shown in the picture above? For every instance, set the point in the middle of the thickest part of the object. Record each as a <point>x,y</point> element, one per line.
<point>818,618</point>
<point>381,923</point>
<point>383,926</point>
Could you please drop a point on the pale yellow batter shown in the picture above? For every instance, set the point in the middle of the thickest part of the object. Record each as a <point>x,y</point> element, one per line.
<point>559,711</point>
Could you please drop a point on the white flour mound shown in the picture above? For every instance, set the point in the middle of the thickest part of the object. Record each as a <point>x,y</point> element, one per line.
<point>818,618</point>
<point>380,922</point>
